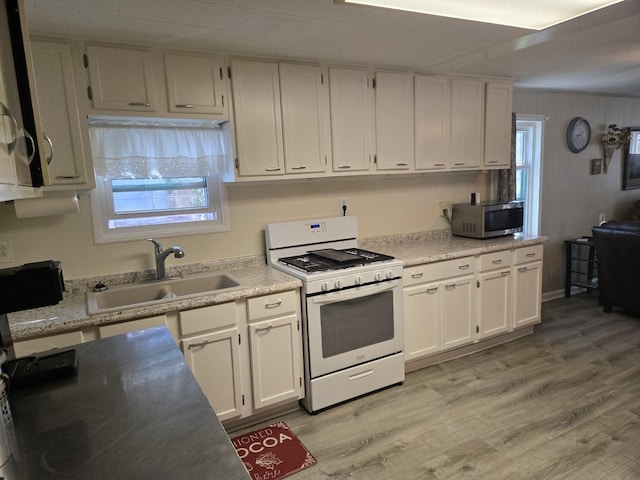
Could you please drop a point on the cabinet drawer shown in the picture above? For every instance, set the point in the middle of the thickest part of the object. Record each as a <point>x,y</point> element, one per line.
<point>272,305</point>
<point>207,318</point>
<point>438,270</point>
<point>131,326</point>
<point>36,345</point>
<point>528,254</point>
<point>491,261</point>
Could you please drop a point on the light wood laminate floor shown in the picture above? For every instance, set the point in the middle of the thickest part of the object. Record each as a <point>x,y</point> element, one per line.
<point>562,403</point>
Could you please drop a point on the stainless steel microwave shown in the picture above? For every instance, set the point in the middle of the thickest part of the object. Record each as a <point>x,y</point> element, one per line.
<point>487,219</point>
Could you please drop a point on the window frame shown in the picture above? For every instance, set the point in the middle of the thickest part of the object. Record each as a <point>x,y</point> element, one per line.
<point>533,128</point>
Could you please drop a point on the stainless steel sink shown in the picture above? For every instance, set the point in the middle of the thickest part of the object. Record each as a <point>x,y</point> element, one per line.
<point>124,297</point>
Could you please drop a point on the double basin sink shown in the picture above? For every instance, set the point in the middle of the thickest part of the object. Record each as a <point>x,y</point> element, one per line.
<point>136,295</point>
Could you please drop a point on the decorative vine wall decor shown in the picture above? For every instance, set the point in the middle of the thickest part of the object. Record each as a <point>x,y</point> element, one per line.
<point>611,141</point>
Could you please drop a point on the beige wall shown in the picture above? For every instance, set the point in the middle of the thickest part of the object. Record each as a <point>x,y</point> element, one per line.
<point>572,198</point>
<point>383,206</point>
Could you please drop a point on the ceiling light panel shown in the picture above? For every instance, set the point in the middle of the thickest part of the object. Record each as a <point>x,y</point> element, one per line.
<point>534,15</point>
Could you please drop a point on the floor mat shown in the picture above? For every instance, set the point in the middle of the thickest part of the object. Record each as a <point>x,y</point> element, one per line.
<point>272,452</point>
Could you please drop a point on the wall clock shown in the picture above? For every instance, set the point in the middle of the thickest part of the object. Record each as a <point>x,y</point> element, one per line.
<point>578,134</point>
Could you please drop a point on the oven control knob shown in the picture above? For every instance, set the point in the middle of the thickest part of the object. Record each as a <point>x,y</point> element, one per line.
<point>338,283</point>
<point>378,276</point>
<point>389,274</point>
<point>324,286</point>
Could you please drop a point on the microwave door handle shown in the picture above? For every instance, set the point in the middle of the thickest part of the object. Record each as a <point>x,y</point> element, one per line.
<point>357,292</point>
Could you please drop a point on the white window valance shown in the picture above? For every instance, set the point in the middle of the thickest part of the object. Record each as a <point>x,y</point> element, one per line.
<point>147,149</point>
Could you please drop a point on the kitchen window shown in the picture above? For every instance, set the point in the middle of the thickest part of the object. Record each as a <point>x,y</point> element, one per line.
<point>157,178</point>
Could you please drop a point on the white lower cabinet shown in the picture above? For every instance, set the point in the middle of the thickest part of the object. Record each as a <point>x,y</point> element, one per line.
<point>246,355</point>
<point>455,303</point>
<point>494,294</point>
<point>422,320</point>
<point>275,345</point>
<point>439,306</point>
<point>214,359</point>
<point>131,326</point>
<point>458,312</point>
<point>527,286</point>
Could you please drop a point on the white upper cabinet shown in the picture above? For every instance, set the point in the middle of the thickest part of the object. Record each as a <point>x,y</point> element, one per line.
<point>121,78</point>
<point>304,91</point>
<point>497,139</point>
<point>394,121</point>
<point>352,121</point>
<point>432,122</point>
<point>67,152</point>
<point>195,84</point>
<point>258,119</point>
<point>467,123</point>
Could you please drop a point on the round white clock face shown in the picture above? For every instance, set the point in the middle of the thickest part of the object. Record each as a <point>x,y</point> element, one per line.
<point>578,134</point>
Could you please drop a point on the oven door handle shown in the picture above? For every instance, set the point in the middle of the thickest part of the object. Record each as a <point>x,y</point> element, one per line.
<point>356,292</point>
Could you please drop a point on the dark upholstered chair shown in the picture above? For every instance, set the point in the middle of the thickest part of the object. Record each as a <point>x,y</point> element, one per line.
<point>618,250</point>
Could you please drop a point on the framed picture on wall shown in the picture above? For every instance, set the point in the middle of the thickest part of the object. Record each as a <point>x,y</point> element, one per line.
<point>632,161</point>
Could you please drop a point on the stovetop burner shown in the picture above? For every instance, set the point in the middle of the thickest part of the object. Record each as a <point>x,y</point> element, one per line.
<point>332,259</point>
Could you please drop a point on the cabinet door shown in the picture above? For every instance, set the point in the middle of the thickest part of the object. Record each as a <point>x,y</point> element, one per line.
<point>258,120</point>
<point>61,122</point>
<point>351,98</point>
<point>214,360</point>
<point>394,121</point>
<point>276,360</point>
<point>195,84</point>
<point>432,122</point>
<point>305,118</point>
<point>121,78</point>
<point>467,123</point>
<point>527,285</point>
<point>458,311</point>
<point>497,124</point>
<point>421,321</point>
<point>494,302</point>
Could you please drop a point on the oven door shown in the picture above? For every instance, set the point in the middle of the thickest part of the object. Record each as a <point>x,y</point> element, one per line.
<point>353,326</point>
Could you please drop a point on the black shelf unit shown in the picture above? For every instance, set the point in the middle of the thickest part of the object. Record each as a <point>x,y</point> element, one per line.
<point>581,265</point>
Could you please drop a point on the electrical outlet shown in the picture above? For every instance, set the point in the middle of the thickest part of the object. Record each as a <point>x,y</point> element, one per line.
<point>344,205</point>
<point>6,253</point>
<point>602,218</point>
<point>553,272</point>
<point>442,206</point>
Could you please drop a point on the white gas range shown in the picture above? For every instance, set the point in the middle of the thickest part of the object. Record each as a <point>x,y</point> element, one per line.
<point>352,308</point>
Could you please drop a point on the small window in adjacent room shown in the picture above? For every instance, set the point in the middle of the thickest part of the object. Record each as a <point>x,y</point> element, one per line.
<point>157,178</point>
<point>529,130</point>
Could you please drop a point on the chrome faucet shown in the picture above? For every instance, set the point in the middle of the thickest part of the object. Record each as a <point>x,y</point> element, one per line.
<point>161,256</point>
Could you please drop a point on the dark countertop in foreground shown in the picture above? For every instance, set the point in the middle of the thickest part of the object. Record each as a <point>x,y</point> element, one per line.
<point>134,411</point>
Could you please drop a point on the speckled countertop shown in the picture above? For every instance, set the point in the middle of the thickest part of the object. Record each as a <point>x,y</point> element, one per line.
<point>435,246</point>
<point>254,276</point>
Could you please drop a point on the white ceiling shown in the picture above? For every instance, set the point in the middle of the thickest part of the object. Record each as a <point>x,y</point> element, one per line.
<point>597,53</point>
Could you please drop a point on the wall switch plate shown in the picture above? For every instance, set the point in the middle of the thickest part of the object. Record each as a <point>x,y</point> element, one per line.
<point>6,253</point>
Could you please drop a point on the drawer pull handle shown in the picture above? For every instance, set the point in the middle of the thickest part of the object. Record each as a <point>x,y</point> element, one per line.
<point>272,169</point>
<point>200,344</point>
<point>464,267</point>
<point>432,290</point>
<point>505,273</point>
<point>496,262</point>
<point>273,304</point>
<point>139,104</point>
<point>522,269</point>
<point>438,164</point>
<point>185,105</point>
<point>301,167</point>
<point>451,286</point>
<point>493,161</point>
<point>532,254</point>
<point>402,165</point>
<point>417,275</point>
<point>360,375</point>
<point>344,166</point>
<point>264,329</point>
<point>67,177</point>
